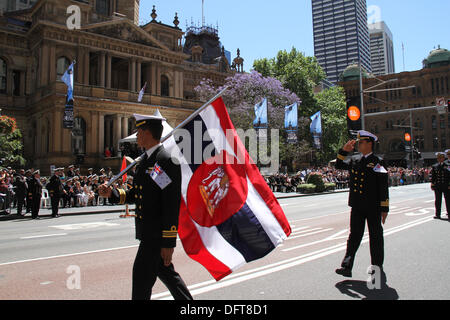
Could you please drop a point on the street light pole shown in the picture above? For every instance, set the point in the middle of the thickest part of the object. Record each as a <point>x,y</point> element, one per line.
<point>363,125</point>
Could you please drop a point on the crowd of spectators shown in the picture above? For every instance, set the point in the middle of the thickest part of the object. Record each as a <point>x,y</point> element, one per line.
<point>80,190</point>
<point>397,176</point>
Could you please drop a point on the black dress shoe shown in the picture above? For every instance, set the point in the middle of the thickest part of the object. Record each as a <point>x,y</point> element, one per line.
<point>346,272</point>
<point>436,217</point>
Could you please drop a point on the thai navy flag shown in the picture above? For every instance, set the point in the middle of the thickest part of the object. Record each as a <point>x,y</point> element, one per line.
<point>228,214</point>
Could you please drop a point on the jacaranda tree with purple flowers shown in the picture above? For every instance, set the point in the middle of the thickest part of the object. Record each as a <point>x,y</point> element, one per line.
<point>247,89</point>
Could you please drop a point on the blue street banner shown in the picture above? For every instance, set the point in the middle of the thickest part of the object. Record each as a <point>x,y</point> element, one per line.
<point>316,124</point>
<point>67,78</point>
<point>291,117</point>
<point>316,129</point>
<point>260,114</point>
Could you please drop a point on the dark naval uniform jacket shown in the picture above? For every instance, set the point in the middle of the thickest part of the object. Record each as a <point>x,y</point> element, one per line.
<point>440,176</point>
<point>55,186</point>
<point>368,183</point>
<point>156,192</point>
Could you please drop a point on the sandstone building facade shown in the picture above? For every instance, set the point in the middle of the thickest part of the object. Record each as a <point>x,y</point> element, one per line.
<point>431,130</point>
<point>114,57</point>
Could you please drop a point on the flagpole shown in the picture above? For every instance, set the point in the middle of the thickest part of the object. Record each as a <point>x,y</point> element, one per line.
<point>196,113</point>
<point>182,124</point>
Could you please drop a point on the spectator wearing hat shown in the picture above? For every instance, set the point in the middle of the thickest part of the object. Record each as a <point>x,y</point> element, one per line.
<point>36,194</point>
<point>29,197</point>
<point>71,172</point>
<point>20,188</point>
<point>440,179</point>
<point>55,190</point>
<point>447,161</point>
<point>68,194</point>
<point>368,198</point>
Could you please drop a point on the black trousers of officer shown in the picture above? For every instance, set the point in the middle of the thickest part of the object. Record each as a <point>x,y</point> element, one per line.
<point>54,200</point>
<point>357,224</point>
<point>438,199</point>
<point>147,266</point>
<point>35,206</point>
<point>20,203</point>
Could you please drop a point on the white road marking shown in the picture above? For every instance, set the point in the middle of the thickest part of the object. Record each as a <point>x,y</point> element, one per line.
<point>310,233</point>
<point>43,236</point>
<point>68,255</point>
<point>89,225</point>
<point>211,285</point>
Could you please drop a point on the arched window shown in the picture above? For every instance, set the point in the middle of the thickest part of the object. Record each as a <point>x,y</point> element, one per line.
<point>3,76</point>
<point>102,7</point>
<point>61,66</point>
<point>433,122</point>
<point>164,86</point>
<point>79,136</point>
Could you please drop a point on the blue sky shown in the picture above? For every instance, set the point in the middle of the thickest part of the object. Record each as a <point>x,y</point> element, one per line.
<point>261,28</point>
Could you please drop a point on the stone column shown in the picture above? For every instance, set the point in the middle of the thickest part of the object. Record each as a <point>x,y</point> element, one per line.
<point>108,71</point>
<point>124,127</point>
<point>132,73</point>
<point>57,128</point>
<point>44,64</point>
<point>101,134</point>
<point>117,130</point>
<point>102,64</point>
<point>154,80</point>
<point>108,133</point>
<point>86,67</point>
<point>52,63</point>
<point>79,76</point>
<point>138,75</point>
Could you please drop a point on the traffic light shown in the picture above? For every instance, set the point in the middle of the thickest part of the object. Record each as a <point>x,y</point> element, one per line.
<point>407,137</point>
<point>354,122</point>
<point>448,105</point>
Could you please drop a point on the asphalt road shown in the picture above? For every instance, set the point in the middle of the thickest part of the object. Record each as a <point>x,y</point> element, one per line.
<point>90,257</point>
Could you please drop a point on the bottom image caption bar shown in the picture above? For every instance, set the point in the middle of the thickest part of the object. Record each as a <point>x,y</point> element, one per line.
<point>213,310</point>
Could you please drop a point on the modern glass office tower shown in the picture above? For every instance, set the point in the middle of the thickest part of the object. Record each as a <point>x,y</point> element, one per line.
<point>382,49</point>
<point>341,35</point>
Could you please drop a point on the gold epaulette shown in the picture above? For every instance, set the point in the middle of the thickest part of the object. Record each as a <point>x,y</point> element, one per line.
<point>172,233</point>
<point>341,157</point>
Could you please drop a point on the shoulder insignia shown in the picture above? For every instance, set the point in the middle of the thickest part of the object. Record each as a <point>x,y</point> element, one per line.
<point>379,169</point>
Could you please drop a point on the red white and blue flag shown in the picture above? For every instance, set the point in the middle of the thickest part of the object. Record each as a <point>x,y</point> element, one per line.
<point>228,214</point>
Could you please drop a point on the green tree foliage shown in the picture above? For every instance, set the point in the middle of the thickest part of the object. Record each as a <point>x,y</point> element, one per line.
<point>10,143</point>
<point>298,73</point>
<point>301,74</point>
<point>332,104</point>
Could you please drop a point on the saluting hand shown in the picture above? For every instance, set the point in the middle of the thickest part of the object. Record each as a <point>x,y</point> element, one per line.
<point>349,146</point>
